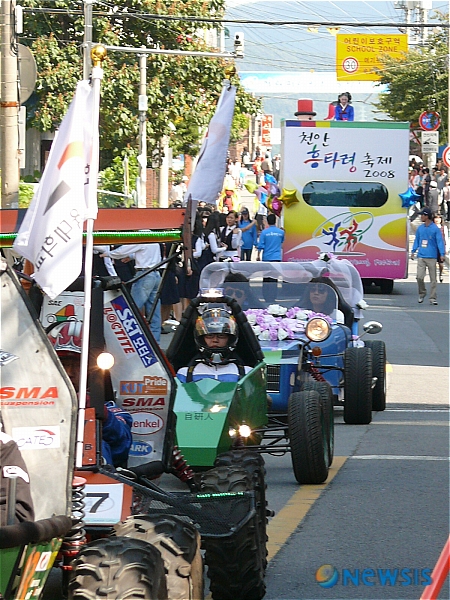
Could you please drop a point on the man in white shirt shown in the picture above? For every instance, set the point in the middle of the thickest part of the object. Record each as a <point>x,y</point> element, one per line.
<point>145,289</point>
<point>216,336</point>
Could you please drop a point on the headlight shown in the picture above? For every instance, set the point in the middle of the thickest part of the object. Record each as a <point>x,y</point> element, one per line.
<point>105,360</point>
<point>318,329</point>
<point>244,431</point>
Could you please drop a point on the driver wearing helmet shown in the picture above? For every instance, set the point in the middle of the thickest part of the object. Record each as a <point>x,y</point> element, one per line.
<point>116,429</point>
<point>216,336</point>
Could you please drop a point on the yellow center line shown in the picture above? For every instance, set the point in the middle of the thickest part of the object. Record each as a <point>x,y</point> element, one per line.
<point>281,527</point>
<point>388,367</point>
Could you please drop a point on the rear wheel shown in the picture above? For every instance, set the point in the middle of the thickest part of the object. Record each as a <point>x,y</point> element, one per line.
<point>379,371</point>
<point>326,398</point>
<point>236,564</point>
<point>358,386</point>
<point>118,569</point>
<point>179,544</point>
<point>386,286</point>
<point>308,437</point>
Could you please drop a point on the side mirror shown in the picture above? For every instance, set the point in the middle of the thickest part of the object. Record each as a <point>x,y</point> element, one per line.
<point>372,327</point>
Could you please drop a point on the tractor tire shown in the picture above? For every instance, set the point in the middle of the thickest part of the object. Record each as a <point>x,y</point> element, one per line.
<point>118,569</point>
<point>379,371</point>
<point>358,386</point>
<point>236,564</point>
<point>308,437</point>
<point>326,397</point>
<point>178,541</point>
<point>253,463</point>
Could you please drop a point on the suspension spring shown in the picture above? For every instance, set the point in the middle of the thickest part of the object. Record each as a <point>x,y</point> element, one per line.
<point>76,538</point>
<point>181,468</point>
<point>316,374</point>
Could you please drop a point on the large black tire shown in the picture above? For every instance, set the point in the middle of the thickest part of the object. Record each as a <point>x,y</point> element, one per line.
<point>179,544</point>
<point>236,564</point>
<point>254,464</point>
<point>386,286</point>
<point>118,569</point>
<point>379,371</point>
<point>358,386</point>
<point>308,437</point>
<point>325,392</point>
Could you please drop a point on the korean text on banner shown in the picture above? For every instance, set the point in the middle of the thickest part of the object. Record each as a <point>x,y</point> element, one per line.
<point>51,234</point>
<point>207,180</point>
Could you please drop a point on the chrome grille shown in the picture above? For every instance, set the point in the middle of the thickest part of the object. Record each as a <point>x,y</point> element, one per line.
<point>273,378</point>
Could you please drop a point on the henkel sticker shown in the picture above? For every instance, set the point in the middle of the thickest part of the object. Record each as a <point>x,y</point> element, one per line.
<point>36,438</point>
<point>140,448</point>
<point>146,423</point>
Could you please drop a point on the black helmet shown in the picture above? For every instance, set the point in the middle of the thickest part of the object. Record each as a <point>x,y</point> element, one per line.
<point>216,320</point>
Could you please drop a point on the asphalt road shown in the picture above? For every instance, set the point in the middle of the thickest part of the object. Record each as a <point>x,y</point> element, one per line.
<point>387,504</point>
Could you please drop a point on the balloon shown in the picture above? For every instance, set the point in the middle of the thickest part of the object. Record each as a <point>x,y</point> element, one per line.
<point>277,206</point>
<point>251,186</point>
<point>261,194</point>
<point>269,202</point>
<point>270,178</point>
<point>409,198</point>
<point>289,197</point>
<point>274,190</point>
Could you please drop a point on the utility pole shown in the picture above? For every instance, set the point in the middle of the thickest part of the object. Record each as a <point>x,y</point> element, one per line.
<point>164,173</point>
<point>143,106</point>
<point>9,108</point>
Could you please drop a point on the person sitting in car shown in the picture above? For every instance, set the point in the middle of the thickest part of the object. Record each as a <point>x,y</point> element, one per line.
<point>116,427</point>
<point>216,336</point>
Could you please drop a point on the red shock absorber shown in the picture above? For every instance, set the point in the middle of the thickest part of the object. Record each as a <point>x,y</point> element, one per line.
<point>316,374</point>
<point>181,468</point>
<point>76,538</point>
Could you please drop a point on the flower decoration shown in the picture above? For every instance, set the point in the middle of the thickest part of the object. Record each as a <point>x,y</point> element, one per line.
<point>278,323</point>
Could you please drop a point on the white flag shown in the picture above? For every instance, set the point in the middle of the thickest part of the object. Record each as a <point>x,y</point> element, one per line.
<point>207,180</point>
<point>51,234</point>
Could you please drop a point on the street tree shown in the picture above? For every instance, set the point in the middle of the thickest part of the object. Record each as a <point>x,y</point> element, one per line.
<point>182,91</point>
<point>417,82</point>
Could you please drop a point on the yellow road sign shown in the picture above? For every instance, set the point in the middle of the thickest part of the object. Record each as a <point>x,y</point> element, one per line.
<point>358,56</point>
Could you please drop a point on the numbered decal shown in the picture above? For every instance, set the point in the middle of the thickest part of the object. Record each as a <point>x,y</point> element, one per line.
<point>103,504</point>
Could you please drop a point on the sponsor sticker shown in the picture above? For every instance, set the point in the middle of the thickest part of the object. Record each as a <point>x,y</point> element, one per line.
<point>146,423</point>
<point>149,386</point>
<point>140,448</point>
<point>128,331</point>
<point>28,396</point>
<point>36,438</point>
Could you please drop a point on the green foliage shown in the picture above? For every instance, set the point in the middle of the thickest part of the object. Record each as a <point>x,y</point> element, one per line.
<point>112,179</point>
<point>181,90</point>
<point>417,82</point>
<point>26,192</point>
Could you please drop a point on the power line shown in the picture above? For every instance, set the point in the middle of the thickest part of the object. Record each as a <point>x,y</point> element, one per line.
<point>150,17</point>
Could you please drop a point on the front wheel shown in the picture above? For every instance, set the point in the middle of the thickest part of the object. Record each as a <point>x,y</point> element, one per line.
<point>178,541</point>
<point>358,386</point>
<point>325,392</point>
<point>236,564</point>
<point>118,569</point>
<point>308,437</point>
<point>379,371</point>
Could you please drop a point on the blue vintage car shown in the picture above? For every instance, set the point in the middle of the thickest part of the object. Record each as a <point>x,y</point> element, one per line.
<point>305,316</point>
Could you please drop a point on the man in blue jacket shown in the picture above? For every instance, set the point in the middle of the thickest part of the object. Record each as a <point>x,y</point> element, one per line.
<point>271,241</point>
<point>430,248</point>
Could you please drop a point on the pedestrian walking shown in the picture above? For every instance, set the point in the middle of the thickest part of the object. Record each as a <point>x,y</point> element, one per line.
<point>433,198</point>
<point>271,241</point>
<point>429,245</point>
<point>438,221</point>
<point>144,290</point>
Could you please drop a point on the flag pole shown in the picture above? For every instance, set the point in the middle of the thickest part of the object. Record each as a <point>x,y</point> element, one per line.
<point>98,54</point>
